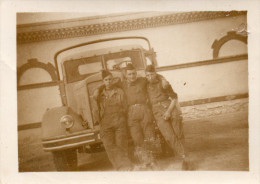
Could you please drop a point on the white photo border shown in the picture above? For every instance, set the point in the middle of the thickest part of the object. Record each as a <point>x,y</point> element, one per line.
<point>8,94</point>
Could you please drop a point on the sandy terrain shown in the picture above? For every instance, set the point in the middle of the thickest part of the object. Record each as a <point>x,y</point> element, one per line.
<point>213,143</point>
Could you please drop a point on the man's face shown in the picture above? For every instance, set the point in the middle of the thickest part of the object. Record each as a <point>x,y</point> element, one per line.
<point>131,75</point>
<point>151,76</point>
<point>108,81</point>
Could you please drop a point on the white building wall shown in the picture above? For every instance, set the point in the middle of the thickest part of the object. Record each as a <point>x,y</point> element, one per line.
<point>174,44</point>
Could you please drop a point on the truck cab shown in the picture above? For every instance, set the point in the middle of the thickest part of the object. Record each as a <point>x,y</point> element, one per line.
<point>74,127</point>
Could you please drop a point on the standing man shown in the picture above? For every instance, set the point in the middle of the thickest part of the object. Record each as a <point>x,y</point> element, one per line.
<point>113,127</point>
<point>139,119</point>
<point>167,113</point>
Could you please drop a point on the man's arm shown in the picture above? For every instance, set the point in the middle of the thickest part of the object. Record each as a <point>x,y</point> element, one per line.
<point>168,112</point>
<point>167,87</point>
<point>124,102</point>
<point>96,106</point>
<point>172,96</point>
<point>117,82</point>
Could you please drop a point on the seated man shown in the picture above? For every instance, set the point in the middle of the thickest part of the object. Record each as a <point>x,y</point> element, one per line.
<point>166,111</point>
<point>113,127</point>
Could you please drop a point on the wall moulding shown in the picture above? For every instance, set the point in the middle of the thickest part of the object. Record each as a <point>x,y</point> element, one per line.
<point>204,62</point>
<point>123,25</point>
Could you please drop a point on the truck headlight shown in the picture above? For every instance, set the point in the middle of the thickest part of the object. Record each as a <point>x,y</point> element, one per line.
<point>67,121</point>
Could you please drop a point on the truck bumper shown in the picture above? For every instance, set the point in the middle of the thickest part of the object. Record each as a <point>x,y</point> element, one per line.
<point>71,141</point>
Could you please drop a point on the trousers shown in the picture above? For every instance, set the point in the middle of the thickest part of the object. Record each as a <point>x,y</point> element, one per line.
<point>113,133</point>
<point>142,131</point>
<point>172,129</point>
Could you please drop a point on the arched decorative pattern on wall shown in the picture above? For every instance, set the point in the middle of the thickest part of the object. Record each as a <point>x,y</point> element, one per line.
<point>34,63</point>
<point>232,35</point>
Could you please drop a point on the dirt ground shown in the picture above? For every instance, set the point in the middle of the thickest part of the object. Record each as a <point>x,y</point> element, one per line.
<point>213,143</point>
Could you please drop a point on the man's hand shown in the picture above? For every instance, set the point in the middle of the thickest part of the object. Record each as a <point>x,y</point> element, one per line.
<point>167,115</point>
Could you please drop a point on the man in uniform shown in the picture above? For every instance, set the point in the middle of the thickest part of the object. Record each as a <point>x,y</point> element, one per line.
<point>140,119</point>
<point>167,113</point>
<point>112,111</point>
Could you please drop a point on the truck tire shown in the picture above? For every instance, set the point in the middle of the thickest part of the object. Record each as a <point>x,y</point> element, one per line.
<point>65,160</point>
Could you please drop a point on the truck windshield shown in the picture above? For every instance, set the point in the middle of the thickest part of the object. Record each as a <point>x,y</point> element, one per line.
<point>119,59</point>
<point>79,69</point>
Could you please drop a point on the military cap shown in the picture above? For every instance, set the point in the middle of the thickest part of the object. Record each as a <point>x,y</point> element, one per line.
<point>150,68</point>
<point>129,66</point>
<point>105,73</point>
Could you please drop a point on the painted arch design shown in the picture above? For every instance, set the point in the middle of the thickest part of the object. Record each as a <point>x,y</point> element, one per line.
<point>34,63</point>
<point>232,35</point>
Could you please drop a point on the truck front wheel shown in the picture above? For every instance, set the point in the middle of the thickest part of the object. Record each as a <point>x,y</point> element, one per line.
<point>65,160</point>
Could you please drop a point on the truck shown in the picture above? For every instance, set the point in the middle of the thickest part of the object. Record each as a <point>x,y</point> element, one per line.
<point>74,127</point>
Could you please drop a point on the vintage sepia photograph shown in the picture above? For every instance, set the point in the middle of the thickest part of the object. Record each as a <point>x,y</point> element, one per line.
<point>132,91</point>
